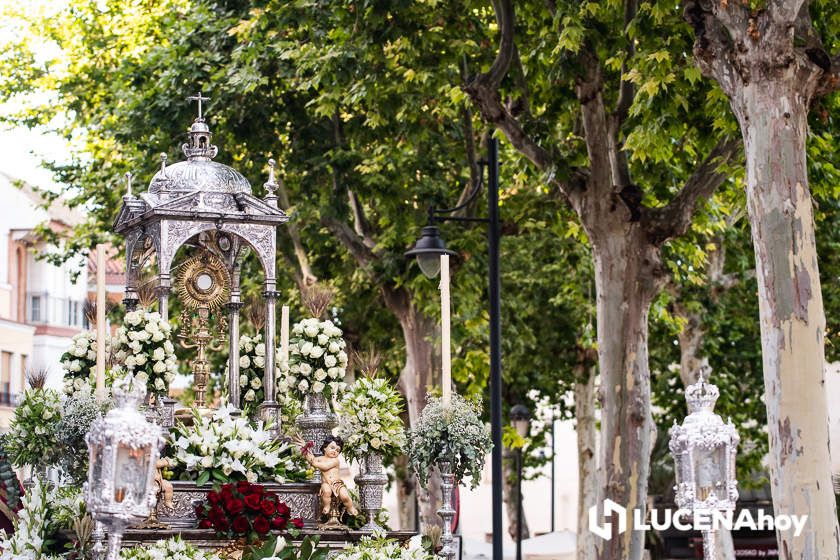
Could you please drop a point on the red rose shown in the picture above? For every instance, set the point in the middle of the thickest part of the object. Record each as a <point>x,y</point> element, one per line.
<point>216,512</point>
<point>252,501</point>
<point>221,525</point>
<point>243,486</point>
<point>241,525</point>
<point>268,507</point>
<point>205,524</point>
<point>257,489</point>
<point>261,525</point>
<point>279,523</point>
<point>234,506</point>
<point>283,509</point>
<point>227,486</point>
<point>226,493</point>
<point>297,522</point>
<point>213,497</point>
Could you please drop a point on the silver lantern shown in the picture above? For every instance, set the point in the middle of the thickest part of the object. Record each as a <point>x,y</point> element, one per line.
<point>704,450</point>
<point>124,450</point>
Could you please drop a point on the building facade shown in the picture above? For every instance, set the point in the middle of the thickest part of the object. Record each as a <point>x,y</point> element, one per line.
<point>41,304</point>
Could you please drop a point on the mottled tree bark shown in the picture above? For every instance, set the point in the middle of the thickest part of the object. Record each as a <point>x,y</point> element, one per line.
<point>770,78</point>
<point>587,434</point>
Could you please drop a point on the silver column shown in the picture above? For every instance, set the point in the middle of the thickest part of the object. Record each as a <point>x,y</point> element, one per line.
<point>270,410</point>
<point>163,289</point>
<point>233,308</point>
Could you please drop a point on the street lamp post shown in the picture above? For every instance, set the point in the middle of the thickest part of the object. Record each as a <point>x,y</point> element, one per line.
<point>520,419</point>
<point>704,450</point>
<point>428,249</point>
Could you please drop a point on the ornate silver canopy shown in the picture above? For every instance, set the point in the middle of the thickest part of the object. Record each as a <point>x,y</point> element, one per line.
<point>201,202</point>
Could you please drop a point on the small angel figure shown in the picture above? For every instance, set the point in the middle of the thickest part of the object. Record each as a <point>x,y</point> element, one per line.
<point>331,484</point>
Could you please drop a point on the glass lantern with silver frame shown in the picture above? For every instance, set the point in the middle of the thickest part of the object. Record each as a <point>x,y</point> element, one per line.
<point>124,449</point>
<point>704,448</point>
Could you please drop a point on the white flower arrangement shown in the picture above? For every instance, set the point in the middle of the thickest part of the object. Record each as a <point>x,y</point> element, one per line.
<point>370,420</point>
<point>144,348</point>
<point>225,448</point>
<point>317,360</point>
<point>173,548</point>
<point>35,524</point>
<point>380,548</point>
<point>79,361</point>
<point>31,439</point>
<point>251,370</point>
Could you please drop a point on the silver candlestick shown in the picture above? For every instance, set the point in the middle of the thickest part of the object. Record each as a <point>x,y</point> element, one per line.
<point>446,511</point>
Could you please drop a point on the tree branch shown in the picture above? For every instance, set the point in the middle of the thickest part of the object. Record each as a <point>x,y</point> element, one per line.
<point>626,90</point>
<point>713,41</point>
<point>363,254</point>
<point>505,19</point>
<point>674,219</point>
<point>785,12</point>
<point>304,269</point>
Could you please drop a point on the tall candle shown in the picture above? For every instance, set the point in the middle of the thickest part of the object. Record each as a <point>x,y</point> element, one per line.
<point>100,321</point>
<point>445,333</point>
<point>284,334</point>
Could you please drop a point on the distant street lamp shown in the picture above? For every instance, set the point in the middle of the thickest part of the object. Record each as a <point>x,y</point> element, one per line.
<point>428,250</point>
<point>520,419</point>
<point>704,450</point>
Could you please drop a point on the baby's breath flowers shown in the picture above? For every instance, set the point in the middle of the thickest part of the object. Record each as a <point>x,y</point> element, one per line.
<point>453,432</point>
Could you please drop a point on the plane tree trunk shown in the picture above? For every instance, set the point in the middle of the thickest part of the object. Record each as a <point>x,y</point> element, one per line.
<point>771,78</point>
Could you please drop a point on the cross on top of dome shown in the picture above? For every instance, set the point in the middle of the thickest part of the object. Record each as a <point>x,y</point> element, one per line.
<point>198,98</point>
<point>199,147</point>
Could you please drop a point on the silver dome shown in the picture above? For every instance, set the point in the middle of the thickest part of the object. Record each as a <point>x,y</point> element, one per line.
<point>199,175</point>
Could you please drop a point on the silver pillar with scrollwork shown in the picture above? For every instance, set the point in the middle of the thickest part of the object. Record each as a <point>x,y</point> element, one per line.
<point>233,308</point>
<point>270,410</point>
<point>446,511</point>
<point>163,288</point>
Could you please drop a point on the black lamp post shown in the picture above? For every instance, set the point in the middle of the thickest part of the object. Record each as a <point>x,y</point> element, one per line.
<point>428,248</point>
<point>520,419</point>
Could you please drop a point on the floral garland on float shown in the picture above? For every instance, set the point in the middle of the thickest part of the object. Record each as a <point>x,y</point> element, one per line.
<point>223,448</point>
<point>174,548</point>
<point>144,348</point>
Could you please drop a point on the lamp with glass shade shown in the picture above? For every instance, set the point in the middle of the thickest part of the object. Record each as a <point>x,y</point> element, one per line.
<point>428,249</point>
<point>124,449</point>
<point>704,448</point>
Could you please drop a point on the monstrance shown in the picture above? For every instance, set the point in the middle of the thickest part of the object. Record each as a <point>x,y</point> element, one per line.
<point>203,287</point>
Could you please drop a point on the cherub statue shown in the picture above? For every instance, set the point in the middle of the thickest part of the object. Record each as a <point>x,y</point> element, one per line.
<point>328,463</point>
<point>165,489</point>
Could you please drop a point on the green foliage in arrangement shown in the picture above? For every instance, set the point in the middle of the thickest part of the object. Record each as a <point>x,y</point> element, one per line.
<point>451,432</point>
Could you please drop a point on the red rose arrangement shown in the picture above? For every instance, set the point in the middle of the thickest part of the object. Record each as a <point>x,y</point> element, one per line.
<point>244,510</point>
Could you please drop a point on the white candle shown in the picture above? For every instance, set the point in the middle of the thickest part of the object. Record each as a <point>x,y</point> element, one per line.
<point>445,333</point>
<point>100,321</point>
<point>284,334</point>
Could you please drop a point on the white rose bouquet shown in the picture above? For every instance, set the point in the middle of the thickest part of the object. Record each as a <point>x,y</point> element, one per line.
<point>378,547</point>
<point>251,370</point>
<point>317,360</point>
<point>224,448</point>
<point>32,438</point>
<point>79,361</point>
<point>370,419</point>
<point>144,348</point>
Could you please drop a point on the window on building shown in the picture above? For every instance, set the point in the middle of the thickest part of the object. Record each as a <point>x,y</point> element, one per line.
<point>35,309</point>
<point>5,377</point>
